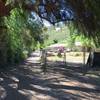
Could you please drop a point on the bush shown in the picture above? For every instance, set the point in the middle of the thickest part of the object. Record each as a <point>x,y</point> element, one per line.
<point>55,41</point>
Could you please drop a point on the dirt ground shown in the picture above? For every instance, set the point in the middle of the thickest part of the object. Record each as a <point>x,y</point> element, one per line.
<point>74,57</point>
<point>27,81</point>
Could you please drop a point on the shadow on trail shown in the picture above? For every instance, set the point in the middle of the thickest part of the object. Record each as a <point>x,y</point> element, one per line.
<point>75,71</point>
<point>27,82</point>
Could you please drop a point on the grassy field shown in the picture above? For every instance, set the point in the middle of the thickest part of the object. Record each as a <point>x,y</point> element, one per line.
<point>60,35</point>
<point>74,57</point>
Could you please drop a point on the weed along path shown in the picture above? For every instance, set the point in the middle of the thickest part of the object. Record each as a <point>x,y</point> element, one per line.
<point>28,82</point>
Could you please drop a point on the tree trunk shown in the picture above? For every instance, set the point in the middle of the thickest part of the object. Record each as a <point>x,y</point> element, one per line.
<point>3,49</point>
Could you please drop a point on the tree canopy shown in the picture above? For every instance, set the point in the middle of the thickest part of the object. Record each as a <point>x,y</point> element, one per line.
<point>85,14</point>
<point>19,36</point>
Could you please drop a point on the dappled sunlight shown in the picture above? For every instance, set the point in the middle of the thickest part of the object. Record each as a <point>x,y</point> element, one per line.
<point>49,49</point>
<point>30,60</point>
<point>3,92</point>
<point>75,57</point>
<point>77,83</point>
<point>1,79</point>
<point>44,97</point>
<point>13,85</point>
<point>40,87</point>
<point>60,82</point>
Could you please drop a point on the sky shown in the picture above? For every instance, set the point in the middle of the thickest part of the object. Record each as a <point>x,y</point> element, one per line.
<point>46,23</point>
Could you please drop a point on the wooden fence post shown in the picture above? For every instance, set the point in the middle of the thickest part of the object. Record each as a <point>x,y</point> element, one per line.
<point>84,55</point>
<point>44,60</point>
<point>3,47</point>
<point>65,57</point>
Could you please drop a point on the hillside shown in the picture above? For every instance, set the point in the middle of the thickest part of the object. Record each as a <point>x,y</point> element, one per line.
<point>59,34</point>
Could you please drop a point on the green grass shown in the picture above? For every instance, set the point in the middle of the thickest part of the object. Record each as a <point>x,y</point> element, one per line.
<point>60,36</point>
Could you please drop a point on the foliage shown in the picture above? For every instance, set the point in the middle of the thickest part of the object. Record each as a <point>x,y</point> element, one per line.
<point>74,35</point>
<point>71,37</point>
<point>55,41</point>
<point>85,41</point>
<point>59,36</point>
<point>22,35</point>
<point>84,13</point>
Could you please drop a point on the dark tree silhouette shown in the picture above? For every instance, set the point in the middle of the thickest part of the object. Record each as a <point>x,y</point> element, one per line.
<point>84,13</point>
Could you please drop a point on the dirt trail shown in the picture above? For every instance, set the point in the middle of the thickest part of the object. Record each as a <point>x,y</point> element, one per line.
<point>28,82</point>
